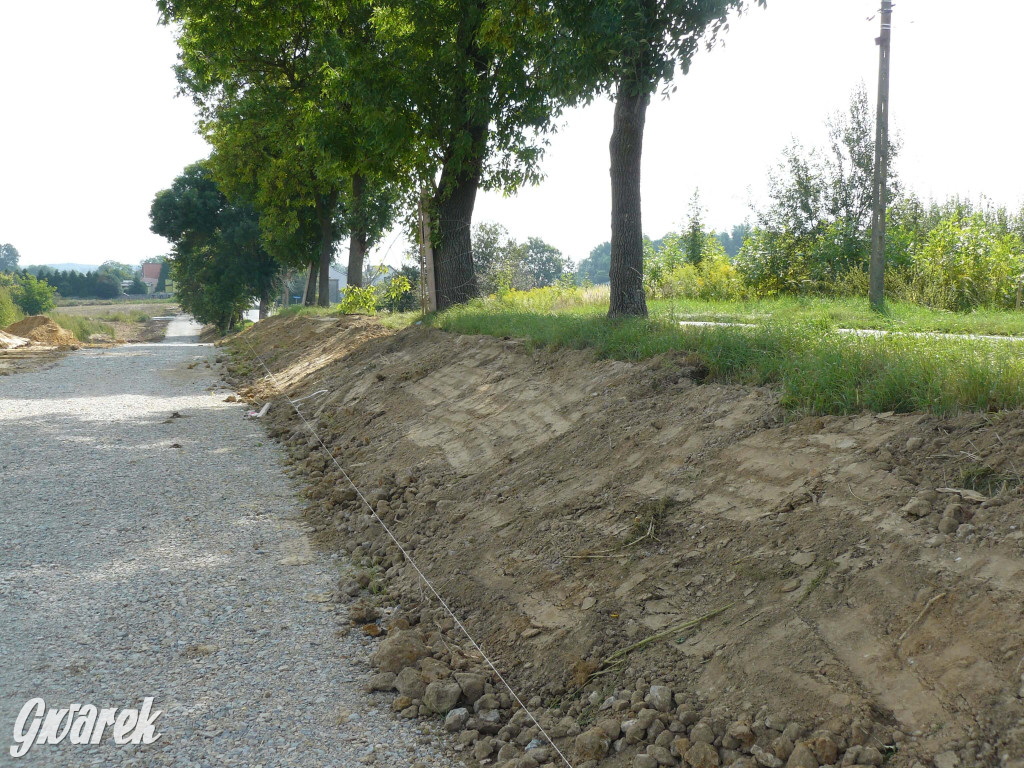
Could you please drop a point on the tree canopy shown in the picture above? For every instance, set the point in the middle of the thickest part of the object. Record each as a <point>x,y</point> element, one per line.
<point>219,264</point>
<point>9,257</point>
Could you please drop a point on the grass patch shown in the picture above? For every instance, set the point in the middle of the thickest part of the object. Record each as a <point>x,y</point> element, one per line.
<point>845,313</point>
<point>81,327</point>
<point>395,320</point>
<point>124,316</point>
<point>984,479</point>
<point>817,369</point>
<point>112,302</point>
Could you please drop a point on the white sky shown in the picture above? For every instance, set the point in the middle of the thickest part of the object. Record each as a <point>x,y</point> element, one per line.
<point>91,128</point>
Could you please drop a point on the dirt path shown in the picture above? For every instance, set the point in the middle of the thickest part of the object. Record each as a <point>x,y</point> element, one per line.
<point>152,547</point>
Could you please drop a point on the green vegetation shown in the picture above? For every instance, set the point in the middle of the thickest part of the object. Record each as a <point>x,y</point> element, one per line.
<point>816,368</point>
<point>81,327</point>
<point>104,282</point>
<point>220,261</point>
<point>9,312</point>
<point>29,295</point>
<point>111,302</point>
<point>9,257</point>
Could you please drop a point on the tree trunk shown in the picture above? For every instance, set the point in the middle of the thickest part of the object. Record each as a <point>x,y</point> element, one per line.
<point>265,304</point>
<point>309,298</point>
<point>454,277</point>
<point>357,239</point>
<point>325,205</point>
<point>626,149</point>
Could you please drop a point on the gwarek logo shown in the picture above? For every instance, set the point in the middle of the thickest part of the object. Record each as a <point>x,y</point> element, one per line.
<point>82,725</point>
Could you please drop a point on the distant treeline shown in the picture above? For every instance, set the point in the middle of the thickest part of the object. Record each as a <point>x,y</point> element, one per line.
<point>102,283</point>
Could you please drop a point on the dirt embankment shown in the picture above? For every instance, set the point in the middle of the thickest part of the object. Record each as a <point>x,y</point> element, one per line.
<point>871,567</point>
<point>42,330</point>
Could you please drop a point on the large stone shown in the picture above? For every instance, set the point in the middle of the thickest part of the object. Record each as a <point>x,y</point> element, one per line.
<point>740,736</point>
<point>646,717</point>
<point>701,755</point>
<point>489,701</point>
<point>633,731</point>
<point>483,749</point>
<point>679,746</point>
<point>486,721</point>
<point>610,726</point>
<point>702,733</point>
<point>382,681</point>
<point>764,758</point>
<point>662,755</point>
<point>824,748</point>
<point>802,757</point>
<point>644,761</point>
<point>660,698</point>
<point>409,682</point>
<point>870,756</point>
<point>592,744</point>
<point>442,696</point>
<point>782,747</point>
<point>456,720</point>
<point>432,670</point>
<point>472,685</point>
<point>398,651</point>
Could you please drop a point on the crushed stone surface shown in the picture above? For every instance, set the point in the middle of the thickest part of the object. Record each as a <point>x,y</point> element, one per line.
<point>148,554</point>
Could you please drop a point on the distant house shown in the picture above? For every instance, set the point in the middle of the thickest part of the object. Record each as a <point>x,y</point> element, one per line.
<point>336,280</point>
<point>151,275</point>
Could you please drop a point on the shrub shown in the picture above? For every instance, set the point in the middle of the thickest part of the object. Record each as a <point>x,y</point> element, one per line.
<point>33,297</point>
<point>671,272</point>
<point>9,312</point>
<point>772,263</point>
<point>356,300</point>
<point>966,263</point>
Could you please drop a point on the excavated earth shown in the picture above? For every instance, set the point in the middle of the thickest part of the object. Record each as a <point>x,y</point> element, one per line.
<point>860,579</point>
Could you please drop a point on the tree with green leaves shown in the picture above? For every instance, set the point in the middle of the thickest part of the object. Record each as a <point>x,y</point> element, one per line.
<point>219,262</point>
<point>8,258</point>
<point>695,230</point>
<point>817,226</point>
<point>596,266</point>
<point>630,48</point>
<point>294,119</point>
<point>472,75</point>
<point>137,288</point>
<point>733,240</point>
<point>33,296</point>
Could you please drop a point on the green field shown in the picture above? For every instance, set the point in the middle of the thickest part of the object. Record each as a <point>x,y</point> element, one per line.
<point>793,344</point>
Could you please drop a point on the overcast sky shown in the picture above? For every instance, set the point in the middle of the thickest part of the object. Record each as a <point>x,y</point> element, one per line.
<point>91,127</point>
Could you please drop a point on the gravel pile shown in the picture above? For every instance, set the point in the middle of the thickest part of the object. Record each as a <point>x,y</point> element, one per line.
<point>153,547</point>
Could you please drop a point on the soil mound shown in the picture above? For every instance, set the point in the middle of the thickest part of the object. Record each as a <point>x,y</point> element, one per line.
<point>859,580</point>
<point>9,341</point>
<point>42,330</point>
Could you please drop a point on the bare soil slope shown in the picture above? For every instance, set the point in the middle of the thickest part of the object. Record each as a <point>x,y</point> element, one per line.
<point>42,330</point>
<point>872,566</point>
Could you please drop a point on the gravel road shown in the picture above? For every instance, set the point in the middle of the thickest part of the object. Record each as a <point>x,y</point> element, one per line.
<point>150,555</point>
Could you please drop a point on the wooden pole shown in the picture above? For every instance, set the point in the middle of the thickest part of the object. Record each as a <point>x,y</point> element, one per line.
<point>427,250</point>
<point>876,290</point>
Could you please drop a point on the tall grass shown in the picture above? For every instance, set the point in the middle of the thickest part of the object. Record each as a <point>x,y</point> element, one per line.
<point>82,327</point>
<point>817,369</point>
<point>123,316</point>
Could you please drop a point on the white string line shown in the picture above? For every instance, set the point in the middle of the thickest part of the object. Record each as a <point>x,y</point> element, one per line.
<point>407,556</point>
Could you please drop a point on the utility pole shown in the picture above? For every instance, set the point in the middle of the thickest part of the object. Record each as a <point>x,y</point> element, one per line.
<point>876,291</point>
<point>428,299</point>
